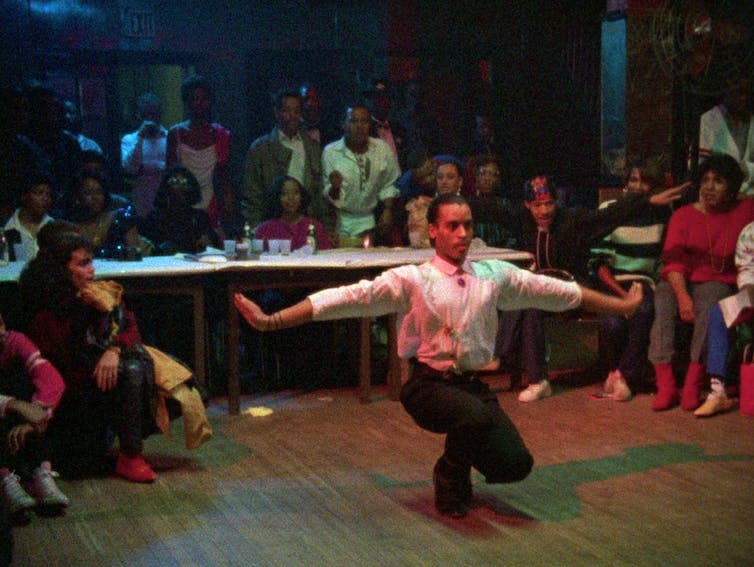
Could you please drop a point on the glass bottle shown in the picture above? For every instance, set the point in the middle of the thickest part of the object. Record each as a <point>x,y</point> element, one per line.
<point>3,250</point>
<point>247,236</point>
<point>311,238</point>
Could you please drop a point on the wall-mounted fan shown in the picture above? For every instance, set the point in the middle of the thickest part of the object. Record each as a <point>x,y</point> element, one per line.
<point>706,44</point>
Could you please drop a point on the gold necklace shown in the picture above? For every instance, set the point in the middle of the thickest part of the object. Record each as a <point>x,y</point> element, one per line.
<point>709,249</point>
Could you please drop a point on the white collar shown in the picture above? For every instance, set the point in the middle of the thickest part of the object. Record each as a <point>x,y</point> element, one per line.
<point>451,269</point>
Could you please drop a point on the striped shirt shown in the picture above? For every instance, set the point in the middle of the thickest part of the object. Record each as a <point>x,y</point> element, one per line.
<point>635,247</point>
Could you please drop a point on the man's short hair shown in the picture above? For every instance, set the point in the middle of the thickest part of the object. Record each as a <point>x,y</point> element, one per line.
<point>352,106</point>
<point>446,199</point>
<point>36,176</point>
<point>281,95</point>
<point>190,84</point>
<point>147,100</point>
<point>486,159</point>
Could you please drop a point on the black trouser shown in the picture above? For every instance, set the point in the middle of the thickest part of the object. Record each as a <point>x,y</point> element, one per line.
<point>81,426</point>
<point>479,434</point>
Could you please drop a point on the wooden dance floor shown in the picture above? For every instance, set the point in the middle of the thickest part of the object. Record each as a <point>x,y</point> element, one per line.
<point>325,480</point>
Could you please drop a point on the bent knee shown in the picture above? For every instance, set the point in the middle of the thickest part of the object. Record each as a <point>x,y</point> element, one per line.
<point>514,469</point>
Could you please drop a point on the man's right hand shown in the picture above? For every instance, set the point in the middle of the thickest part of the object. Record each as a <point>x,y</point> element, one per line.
<point>251,312</point>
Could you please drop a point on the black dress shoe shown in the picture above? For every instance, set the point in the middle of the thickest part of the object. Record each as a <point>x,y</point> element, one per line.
<point>452,489</point>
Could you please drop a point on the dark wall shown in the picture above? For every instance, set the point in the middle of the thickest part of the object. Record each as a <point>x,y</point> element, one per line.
<point>544,92</point>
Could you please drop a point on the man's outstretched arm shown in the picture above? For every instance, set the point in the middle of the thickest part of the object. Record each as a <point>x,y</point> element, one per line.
<point>289,317</point>
<point>610,304</point>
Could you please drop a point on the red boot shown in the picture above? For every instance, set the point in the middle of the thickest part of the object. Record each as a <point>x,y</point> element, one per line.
<point>667,391</point>
<point>692,386</point>
<point>135,469</point>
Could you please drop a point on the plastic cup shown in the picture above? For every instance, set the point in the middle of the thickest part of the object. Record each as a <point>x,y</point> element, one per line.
<point>415,238</point>
<point>257,245</point>
<point>19,253</point>
<point>230,247</point>
<point>285,247</point>
<point>273,246</point>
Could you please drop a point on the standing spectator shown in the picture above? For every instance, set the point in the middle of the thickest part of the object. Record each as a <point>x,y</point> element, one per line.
<point>484,142</point>
<point>311,113</point>
<point>203,147</point>
<point>143,153</point>
<point>60,152</point>
<point>18,154</point>
<point>286,150</point>
<point>728,128</point>
<point>74,126</point>
<point>359,171</point>
<point>380,103</point>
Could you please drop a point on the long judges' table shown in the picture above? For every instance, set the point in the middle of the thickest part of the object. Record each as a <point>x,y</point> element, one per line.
<point>178,276</point>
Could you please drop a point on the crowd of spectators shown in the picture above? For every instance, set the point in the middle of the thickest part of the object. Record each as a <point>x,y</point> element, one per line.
<point>362,181</point>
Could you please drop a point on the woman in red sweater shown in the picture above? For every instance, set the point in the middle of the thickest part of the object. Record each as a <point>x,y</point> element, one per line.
<point>699,270</point>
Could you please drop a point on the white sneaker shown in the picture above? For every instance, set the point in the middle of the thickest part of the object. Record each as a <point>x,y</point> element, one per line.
<point>621,392</point>
<point>15,498</point>
<point>609,385</point>
<point>46,491</point>
<point>536,392</point>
